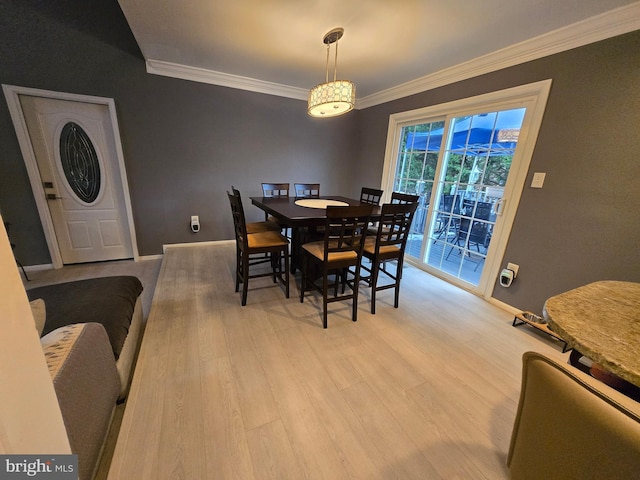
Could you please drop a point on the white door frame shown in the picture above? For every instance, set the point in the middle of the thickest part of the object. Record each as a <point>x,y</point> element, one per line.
<point>12,94</point>
<point>534,97</point>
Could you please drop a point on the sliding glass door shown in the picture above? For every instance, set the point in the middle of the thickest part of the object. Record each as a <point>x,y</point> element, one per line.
<point>460,162</point>
<point>475,169</point>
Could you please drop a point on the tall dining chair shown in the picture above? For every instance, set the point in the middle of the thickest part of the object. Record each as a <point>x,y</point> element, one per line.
<point>370,196</point>
<point>248,245</point>
<point>344,232</point>
<point>399,197</point>
<point>388,244</point>
<point>257,227</point>
<point>275,190</point>
<point>307,190</point>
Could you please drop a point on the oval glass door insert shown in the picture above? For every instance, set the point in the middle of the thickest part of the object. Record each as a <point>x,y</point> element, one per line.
<point>80,162</point>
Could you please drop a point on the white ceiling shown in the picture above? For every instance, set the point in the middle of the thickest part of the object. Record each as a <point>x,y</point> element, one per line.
<point>390,48</point>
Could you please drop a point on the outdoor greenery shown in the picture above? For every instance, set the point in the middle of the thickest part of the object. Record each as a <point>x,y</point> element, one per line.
<point>416,169</point>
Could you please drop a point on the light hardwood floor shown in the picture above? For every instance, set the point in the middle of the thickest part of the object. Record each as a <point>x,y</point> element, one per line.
<point>426,391</point>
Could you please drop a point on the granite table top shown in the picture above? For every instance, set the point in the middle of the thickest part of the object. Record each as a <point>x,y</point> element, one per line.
<point>602,321</point>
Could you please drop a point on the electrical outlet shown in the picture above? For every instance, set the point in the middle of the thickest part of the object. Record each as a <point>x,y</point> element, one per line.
<point>514,268</point>
<point>538,180</point>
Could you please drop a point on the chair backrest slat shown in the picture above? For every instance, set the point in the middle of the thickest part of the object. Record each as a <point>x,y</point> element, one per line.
<point>307,190</point>
<point>371,196</point>
<point>395,224</point>
<point>398,197</point>
<point>346,228</point>
<point>275,190</point>
<point>239,222</point>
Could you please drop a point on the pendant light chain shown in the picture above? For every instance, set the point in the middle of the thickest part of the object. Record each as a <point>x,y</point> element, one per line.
<point>327,65</point>
<point>335,64</point>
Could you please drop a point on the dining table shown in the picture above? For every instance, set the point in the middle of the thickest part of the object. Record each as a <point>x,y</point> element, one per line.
<point>303,216</point>
<point>601,321</point>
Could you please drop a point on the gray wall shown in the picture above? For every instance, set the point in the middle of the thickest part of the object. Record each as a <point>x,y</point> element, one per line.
<point>185,143</point>
<point>584,224</point>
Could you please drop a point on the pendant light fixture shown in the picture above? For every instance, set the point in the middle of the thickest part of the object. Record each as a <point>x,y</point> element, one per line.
<point>334,98</point>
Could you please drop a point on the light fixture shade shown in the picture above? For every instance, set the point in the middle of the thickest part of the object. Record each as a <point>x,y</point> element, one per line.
<point>332,98</point>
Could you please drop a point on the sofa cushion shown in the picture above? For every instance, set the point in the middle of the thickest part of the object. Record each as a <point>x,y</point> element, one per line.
<point>109,301</point>
<point>86,383</point>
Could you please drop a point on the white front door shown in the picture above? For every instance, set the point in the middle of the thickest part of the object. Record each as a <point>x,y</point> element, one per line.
<point>75,151</point>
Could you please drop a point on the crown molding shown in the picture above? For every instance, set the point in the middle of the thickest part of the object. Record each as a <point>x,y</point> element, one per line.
<point>609,24</point>
<point>202,75</point>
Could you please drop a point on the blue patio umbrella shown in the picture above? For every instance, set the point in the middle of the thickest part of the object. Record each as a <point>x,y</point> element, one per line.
<point>494,133</point>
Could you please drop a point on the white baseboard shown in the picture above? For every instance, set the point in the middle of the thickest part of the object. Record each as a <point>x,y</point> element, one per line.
<point>141,258</point>
<point>49,266</point>
<point>149,257</point>
<point>195,244</point>
<point>504,306</point>
<point>38,268</point>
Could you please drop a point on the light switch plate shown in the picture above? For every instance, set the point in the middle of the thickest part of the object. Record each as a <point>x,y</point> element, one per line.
<point>538,180</point>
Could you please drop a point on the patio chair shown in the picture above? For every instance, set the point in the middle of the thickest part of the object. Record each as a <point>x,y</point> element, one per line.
<point>344,232</point>
<point>474,231</point>
<point>449,217</point>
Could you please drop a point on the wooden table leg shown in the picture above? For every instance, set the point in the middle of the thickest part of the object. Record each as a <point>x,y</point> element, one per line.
<point>297,236</point>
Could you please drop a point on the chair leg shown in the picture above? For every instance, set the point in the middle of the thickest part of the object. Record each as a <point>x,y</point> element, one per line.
<point>245,283</point>
<point>344,277</point>
<point>286,273</point>
<point>356,289</point>
<point>303,277</point>
<point>238,265</point>
<point>276,265</point>
<point>396,301</point>
<point>375,270</point>
<point>325,288</point>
